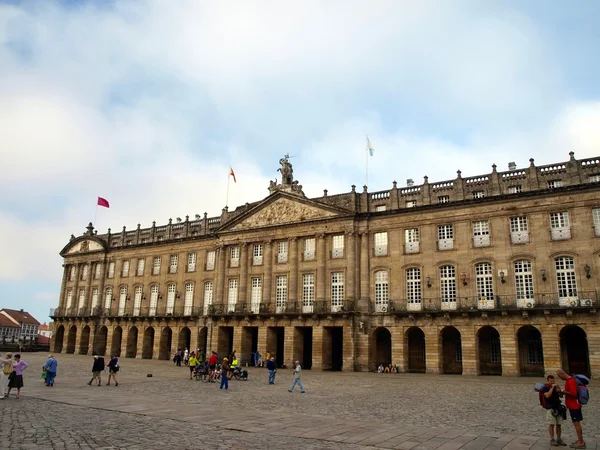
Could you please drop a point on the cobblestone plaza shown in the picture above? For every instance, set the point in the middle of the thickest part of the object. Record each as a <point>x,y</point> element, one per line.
<point>341,410</point>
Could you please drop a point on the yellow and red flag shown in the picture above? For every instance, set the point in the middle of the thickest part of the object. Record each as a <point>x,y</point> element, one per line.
<point>232,173</point>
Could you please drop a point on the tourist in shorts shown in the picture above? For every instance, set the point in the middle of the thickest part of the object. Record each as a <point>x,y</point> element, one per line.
<point>555,411</point>
<point>573,405</point>
<point>113,368</point>
<point>192,361</point>
<point>97,369</point>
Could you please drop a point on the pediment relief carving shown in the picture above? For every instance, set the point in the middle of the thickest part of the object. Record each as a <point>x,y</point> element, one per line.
<point>87,245</point>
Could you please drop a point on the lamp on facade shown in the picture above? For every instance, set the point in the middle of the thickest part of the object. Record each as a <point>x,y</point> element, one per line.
<point>502,280</point>
<point>543,272</point>
<point>463,278</point>
<point>177,295</point>
<point>428,280</point>
<point>587,269</point>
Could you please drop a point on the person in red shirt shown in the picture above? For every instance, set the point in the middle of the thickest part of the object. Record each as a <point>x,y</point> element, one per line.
<point>573,405</point>
<point>212,364</point>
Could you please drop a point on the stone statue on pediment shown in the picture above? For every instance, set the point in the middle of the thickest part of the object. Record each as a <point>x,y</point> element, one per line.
<point>287,172</point>
<point>288,184</point>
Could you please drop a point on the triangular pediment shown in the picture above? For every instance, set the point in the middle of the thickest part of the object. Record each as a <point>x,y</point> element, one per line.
<point>85,244</point>
<point>282,209</point>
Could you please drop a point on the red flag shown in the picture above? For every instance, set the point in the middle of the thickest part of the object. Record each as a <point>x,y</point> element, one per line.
<point>103,202</point>
<point>232,174</point>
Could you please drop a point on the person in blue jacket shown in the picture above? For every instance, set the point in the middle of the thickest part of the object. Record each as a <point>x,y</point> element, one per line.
<point>50,367</point>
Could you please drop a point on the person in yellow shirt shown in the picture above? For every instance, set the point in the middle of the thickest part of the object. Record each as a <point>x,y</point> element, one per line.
<point>192,362</point>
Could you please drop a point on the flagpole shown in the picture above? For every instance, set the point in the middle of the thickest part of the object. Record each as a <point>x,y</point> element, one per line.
<point>367,163</point>
<point>227,198</point>
<point>95,214</point>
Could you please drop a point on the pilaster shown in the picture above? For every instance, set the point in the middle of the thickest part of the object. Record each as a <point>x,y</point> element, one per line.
<point>288,346</point>
<point>140,341</point>
<point>237,341</point>
<point>88,288</point>
<point>551,346</point>
<point>593,339</point>
<point>509,350</point>
<point>267,272</point>
<point>469,350</point>
<point>398,348</point>
<point>262,341</point>
<point>317,348</point>
<point>348,347</point>
<point>321,260</point>
<point>124,338</point>
<point>243,272</point>
<point>351,276</point>
<point>364,302</point>
<point>219,298</point>
<point>109,339</point>
<point>432,349</point>
<point>293,264</point>
<point>63,285</point>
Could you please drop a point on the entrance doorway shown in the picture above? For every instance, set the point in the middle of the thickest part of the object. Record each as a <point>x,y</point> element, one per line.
<point>531,352</point>
<point>275,337</point>
<point>415,342</point>
<point>166,341</point>
<point>249,345</point>
<point>84,343</point>
<point>115,349</point>
<point>100,341</point>
<point>451,351</point>
<point>185,339</point>
<point>58,339</point>
<point>132,340</point>
<point>203,340</point>
<point>333,348</point>
<point>148,344</point>
<point>225,344</point>
<point>381,347</point>
<point>71,339</point>
<point>574,350</point>
<point>490,352</point>
<point>303,337</point>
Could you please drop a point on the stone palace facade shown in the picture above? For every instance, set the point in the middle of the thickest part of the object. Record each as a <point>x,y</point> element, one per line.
<point>496,274</point>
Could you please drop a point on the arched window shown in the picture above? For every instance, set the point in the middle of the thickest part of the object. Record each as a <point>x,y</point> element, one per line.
<point>137,301</point>
<point>565,278</point>
<point>524,282</point>
<point>485,285</point>
<point>413,288</point>
<point>448,287</point>
<point>208,296</point>
<point>189,299</point>
<point>153,299</point>
<point>382,299</point>
<point>171,291</point>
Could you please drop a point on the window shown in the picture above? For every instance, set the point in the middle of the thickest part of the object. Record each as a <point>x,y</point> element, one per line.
<point>382,299</point>
<point>140,267</point>
<point>337,291</point>
<point>443,199</point>
<point>478,194</point>
<point>282,251</point>
<point>309,249</point>
<point>552,184</point>
<point>515,189</point>
<point>111,269</point>
<point>559,226</point>
<point>411,203</point>
<point>445,237</point>
<point>257,255</point>
<point>535,351</point>
<point>95,298</point>
<point>173,264</point>
<point>380,208</point>
<point>481,233</point>
<point>381,243</point>
<point>208,296</point>
<point>524,283</point>
<point>144,240</point>
<point>69,299</point>
<point>125,269</point>
<point>84,272</point>
<point>448,287</point>
<point>596,219</point>
<point>189,299</point>
<point>191,262</point>
<point>485,285</point>
<point>519,230</point>
<point>156,265</point>
<point>256,294</point>
<point>211,256</point>
<point>171,292</point>
<point>280,292</point>
<point>153,299</point>
<point>413,288</point>
<point>108,296</point>
<point>565,277</point>
<point>594,178</point>
<point>338,246</point>
<point>72,273</point>
<point>234,257</point>
<point>137,300</point>
<point>81,303</point>
<point>411,240</point>
<point>308,292</point>
<point>122,300</point>
<point>495,349</point>
<point>98,271</point>
<point>232,294</point>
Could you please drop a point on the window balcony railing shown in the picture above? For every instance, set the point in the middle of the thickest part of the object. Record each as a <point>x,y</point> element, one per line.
<point>272,308</point>
<point>234,262</point>
<point>411,247</point>
<point>282,257</point>
<point>445,244</point>
<point>519,237</point>
<point>560,234</point>
<point>481,241</point>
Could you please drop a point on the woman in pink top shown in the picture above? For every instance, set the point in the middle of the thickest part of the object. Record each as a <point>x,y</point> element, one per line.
<point>16,377</point>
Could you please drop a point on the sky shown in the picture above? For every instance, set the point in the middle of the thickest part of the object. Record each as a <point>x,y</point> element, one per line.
<point>148,102</point>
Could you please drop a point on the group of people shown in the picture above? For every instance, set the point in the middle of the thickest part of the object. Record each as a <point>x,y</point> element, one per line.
<point>98,367</point>
<point>389,369</point>
<point>11,376</point>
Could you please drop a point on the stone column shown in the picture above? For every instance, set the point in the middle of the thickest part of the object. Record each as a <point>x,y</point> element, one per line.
<point>509,350</point>
<point>432,349</point>
<point>75,304</point>
<point>317,348</point>
<point>63,284</point>
<point>288,346</point>
<point>551,345</point>
<point>78,338</point>
<point>267,272</point>
<point>470,355</point>
<point>348,347</point>
<point>124,337</point>
<point>194,344</point>
<point>321,261</point>
<point>364,303</point>
<point>351,274</point>
<point>593,337</point>
<point>293,264</point>
<point>243,294</point>
<point>237,342</point>
<point>140,341</point>
<point>88,289</point>
<point>398,351</point>
<point>220,277</point>
<point>91,348</point>
<point>156,344</point>
<point>109,339</point>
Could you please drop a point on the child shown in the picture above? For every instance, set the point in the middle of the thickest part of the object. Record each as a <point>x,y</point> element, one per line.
<point>555,411</point>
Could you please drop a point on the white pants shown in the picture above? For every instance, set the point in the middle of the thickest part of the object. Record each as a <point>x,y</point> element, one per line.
<point>3,384</point>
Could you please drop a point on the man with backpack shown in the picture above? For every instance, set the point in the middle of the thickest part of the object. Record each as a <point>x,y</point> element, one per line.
<point>550,395</point>
<point>573,401</point>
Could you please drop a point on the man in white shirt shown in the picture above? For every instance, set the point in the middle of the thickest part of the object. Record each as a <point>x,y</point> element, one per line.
<point>297,381</point>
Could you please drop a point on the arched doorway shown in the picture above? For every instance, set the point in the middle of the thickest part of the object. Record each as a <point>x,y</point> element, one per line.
<point>115,349</point>
<point>58,339</point>
<point>132,340</point>
<point>381,347</point>
<point>415,343</point>
<point>451,351</point>
<point>71,338</point>
<point>148,344</point>
<point>185,339</point>
<point>203,340</point>
<point>84,342</point>
<point>100,341</point>
<point>531,353</point>
<point>574,350</point>
<point>490,354</point>
<point>166,336</point>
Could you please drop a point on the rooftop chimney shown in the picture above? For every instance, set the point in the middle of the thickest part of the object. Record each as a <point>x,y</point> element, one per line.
<point>512,166</point>
<point>410,182</point>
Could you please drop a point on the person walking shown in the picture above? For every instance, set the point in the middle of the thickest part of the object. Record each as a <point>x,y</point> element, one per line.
<point>192,363</point>
<point>50,368</point>
<point>224,370</point>
<point>97,369</point>
<point>573,405</point>
<point>113,368</point>
<point>272,370</point>
<point>16,377</point>
<point>5,371</point>
<point>297,378</point>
